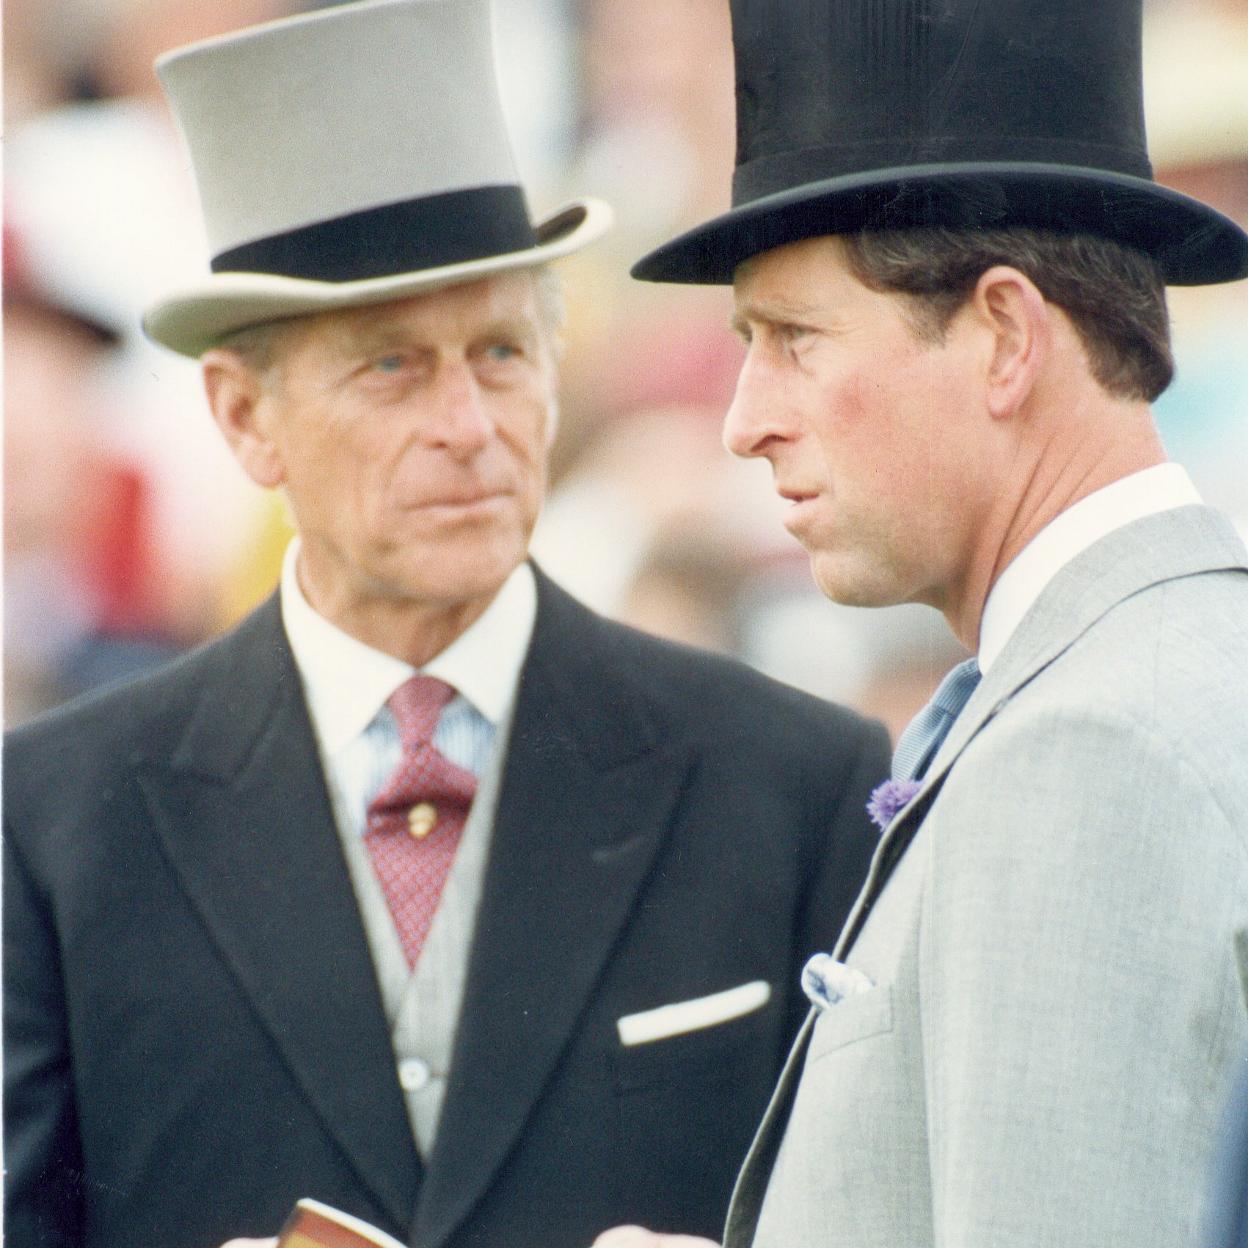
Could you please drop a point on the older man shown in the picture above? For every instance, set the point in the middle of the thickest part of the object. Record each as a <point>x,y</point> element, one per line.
<point>951,285</point>
<point>425,893</point>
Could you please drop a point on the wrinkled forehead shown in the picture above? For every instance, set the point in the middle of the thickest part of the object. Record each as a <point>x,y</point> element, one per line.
<point>821,252</point>
<point>814,272</point>
<point>509,297</point>
<point>513,303</point>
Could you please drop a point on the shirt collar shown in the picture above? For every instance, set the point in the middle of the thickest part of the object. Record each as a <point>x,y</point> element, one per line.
<point>1159,488</point>
<point>348,682</point>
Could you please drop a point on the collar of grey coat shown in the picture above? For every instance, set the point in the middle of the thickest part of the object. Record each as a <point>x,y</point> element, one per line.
<point>1184,541</point>
<point>592,775</point>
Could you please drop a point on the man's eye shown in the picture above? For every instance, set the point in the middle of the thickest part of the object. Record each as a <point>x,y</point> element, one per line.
<point>500,352</point>
<point>388,363</point>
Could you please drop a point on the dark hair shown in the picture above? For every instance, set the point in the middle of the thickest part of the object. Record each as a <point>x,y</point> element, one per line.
<point>1113,294</point>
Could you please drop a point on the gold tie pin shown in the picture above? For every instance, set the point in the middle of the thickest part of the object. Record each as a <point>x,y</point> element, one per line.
<point>421,818</point>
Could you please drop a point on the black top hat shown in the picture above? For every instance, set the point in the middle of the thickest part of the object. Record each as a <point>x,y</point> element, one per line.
<point>889,114</point>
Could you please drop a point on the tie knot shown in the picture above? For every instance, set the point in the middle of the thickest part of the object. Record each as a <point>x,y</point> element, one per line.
<point>416,705</point>
<point>954,692</point>
<point>923,736</point>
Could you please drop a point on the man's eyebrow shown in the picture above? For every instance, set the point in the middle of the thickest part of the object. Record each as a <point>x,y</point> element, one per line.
<point>773,312</point>
<point>515,325</point>
<point>364,336</point>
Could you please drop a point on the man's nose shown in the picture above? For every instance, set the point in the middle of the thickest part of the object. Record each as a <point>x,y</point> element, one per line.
<point>752,421</point>
<point>460,420</point>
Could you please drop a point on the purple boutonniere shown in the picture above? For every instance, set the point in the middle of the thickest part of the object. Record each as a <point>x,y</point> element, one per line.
<point>887,800</point>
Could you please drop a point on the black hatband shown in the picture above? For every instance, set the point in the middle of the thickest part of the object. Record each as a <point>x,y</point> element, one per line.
<point>425,233</point>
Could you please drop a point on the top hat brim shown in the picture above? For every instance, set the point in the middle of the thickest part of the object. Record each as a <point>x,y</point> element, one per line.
<point>196,318</point>
<point>1194,244</point>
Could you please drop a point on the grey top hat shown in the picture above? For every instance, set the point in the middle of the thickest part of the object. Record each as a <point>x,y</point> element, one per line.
<point>350,156</point>
<point>888,114</point>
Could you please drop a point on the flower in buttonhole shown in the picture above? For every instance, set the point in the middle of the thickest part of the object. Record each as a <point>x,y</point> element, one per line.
<point>889,798</point>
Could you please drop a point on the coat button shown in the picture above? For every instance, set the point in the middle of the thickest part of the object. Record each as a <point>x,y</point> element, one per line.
<point>413,1074</point>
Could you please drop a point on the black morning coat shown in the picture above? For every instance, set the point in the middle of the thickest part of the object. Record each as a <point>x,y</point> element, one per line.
<point>194,1032</point>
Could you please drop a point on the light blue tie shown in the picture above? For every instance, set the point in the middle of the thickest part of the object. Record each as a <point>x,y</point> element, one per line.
<point>917,746</point>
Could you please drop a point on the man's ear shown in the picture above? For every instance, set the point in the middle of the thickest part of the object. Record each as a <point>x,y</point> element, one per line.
<point>1020,325</point>
<point>238,398</point>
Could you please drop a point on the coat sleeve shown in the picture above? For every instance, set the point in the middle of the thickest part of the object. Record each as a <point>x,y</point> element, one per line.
<point>1078,994</point>
<point>43,1162</point>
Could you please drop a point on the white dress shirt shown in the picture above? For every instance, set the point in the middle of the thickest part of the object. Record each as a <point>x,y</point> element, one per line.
<point>1160,488</point>
<point>347,684</point>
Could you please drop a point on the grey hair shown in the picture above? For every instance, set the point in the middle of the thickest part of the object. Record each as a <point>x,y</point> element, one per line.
<point>258,345</point>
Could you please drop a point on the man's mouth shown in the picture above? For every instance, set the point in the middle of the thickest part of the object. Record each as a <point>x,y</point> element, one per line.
<point>795,494</point>
<point>463,497</point>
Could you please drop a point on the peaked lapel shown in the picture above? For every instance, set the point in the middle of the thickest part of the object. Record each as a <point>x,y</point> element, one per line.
<point>586,804</point>
<point>243,815</point>
<point>1182,542</point>
<point>1185,541</point>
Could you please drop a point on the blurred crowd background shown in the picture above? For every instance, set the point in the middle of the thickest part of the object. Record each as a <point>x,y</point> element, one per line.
<point>129,533</point>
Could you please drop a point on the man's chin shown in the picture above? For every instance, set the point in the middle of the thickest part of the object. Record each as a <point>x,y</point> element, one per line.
<point>455,576</point>
<point>853,583</point>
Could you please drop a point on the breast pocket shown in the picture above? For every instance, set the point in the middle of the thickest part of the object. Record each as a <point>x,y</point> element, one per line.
<point>685,1108</point>
<point>706,1053</point>
<point>851,1020</point>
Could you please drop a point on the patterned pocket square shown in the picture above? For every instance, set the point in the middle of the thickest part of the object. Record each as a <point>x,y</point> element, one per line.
<point>826,981</point>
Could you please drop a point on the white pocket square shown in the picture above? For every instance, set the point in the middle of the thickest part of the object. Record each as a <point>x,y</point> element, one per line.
<point>683,1016</point>
<point>826,981</point>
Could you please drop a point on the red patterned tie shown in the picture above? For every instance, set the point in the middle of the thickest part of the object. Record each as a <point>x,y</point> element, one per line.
<point>415,822</point>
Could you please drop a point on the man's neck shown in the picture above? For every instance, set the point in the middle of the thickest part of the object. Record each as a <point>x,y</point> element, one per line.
<point>409,629</point>
<point>1078,458</point>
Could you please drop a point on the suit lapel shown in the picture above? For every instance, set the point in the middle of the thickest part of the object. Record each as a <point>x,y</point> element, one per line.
<point>1185,541</point>
<point>244,818</point>
<point>585,806</point>
<point>751,1185</point>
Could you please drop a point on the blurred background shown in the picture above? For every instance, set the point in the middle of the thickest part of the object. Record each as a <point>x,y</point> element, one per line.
<point>129,533</point>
